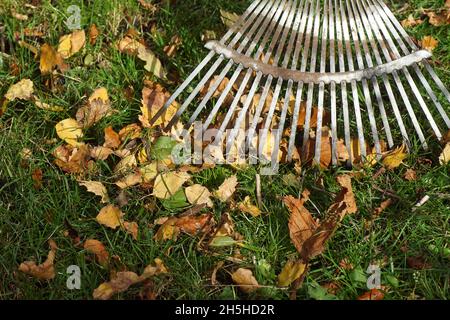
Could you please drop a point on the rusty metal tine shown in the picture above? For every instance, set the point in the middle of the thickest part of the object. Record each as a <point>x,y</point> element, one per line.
<point>419,73</point>
<point>267,14</point>
<point>414,47</point>
<point>374,26</point>
<point>374,80</point>
<point>408,76</point>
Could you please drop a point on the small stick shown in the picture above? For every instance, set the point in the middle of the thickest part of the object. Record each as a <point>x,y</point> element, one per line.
<point>258,190</point>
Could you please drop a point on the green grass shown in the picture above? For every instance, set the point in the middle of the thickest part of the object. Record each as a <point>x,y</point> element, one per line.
<point>29,217</point>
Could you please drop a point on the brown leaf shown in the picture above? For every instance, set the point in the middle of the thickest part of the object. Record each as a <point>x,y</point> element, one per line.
<point>93,34</point>
<point>130,132</point>
<point>192,224</point>
<point>72,160</point>
<point>410,175</point>
<point>154,96</point>
<point>429,43</point>
<point>173,46</point>
<point>99,250</point>
<point>37,178</point>
<point>373,294</point>
<point>100,153</point>
<point>120,283</point>
<point>247,207</point>
<point>132,228</point>
<point>50,59</point>
<point>345,202</point>
<point>97,188</point>
<point>292,271</point>
<point>112,139</point>
<point>245,280</point>
<point>385,204</point>
<point>97,107</point>
<point>411,22</point>
<point>44,271</point>
<point>439,18</point>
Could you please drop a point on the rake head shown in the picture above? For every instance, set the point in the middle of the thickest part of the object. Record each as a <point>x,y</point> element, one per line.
<point>296,72</point>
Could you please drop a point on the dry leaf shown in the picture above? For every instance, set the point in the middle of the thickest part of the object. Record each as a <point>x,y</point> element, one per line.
<point>100,153</point>
<point>385,204</point>
<point>44,271</point>
<point>444,158</point>
<point>110,216</point>
<point>93,34</point>
<point>50,59</point>
<point>395,157</point>
<point>418,263</point>
<point>112,139</point>
<point>153,99</point>
<point>155,268</point>
<point>98,107</point>
<point>167,184</point>
<point>149,172</point>
<point>69,130</point>
<point>245,280</point>
<point>192,224</point>
<point>126,164</point>
<point>345,202</point>
<point>373,294</point>
<point>132,228</point>
<point>429,43</point>
<point>96,188</point>
<point>129,180</point>
<point>37,178</point>
<point>152,63</point>
<point>197,194</point>
<point>440,18</point>
<point>168,230</point>
<point>122,281</point>
<point>72,160</point>
<point>247,207</point>
<point>71,43</point>
<point>99,250</point>
<point>45,106</point>
<point>228,18</point>
<point>292,271</point>
<point>130,132</point>
<point>21,90</point>
<point>410,175</point>
<point>411,22</point>
<point>173,46</point>
<point>129,45</point>
<point>226,189</point>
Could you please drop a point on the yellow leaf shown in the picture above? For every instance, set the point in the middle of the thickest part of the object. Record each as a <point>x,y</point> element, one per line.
<point>149,172</point>
<point>411,22</point>
<point>153,99</point>
<point>21,90</point>
<point>228,18</point>
<point>50,59</point>
<point>123,280</point>
<point>226,189</point>
<point>96,188</point>
<point>44,271</point>
<point>198,194</point>
<point>100,153</point>
<point>167,184</point>
<point>46,106</point>
<point>69,130</point>
<point>71,43</point>
<point>153,269</point>
<point>292,270</point>
<point>444,158</point>
<point>125,164</point>
<point>129,180</point>
<point>129,45</point>
<point>245,280</point>
<point>112,139</point>
<point>132,228</point>
<point>429,43</point>
<point>110,216</point>
<point>248,207</point>
<point>395,157</point>
<point>153,65</point>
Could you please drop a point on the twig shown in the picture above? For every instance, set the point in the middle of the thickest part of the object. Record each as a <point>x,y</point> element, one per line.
<point>258,190</point>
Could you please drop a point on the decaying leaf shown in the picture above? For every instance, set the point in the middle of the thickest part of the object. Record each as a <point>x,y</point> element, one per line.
<point>70,131</point>
<point>71,43</point>
<point>72,160</point>
<point>129,180</point>
<point>46,106</point>
<point>152,63</point>
<point>97,188</point>
<point>132,228</point>
<point>100,153</point>
<point>110,216</point>
<point>126,164</point>
<point>247,207</point>
<point>439,18</point>
<point>44,271</point>
<point>99,250</point>
<point>226,189</point>
<point>50,59</point>
<point>171,49</point>
<point>292,271</point>
<point>429,43</point>
<point>373,294</point>
<point>93,34</point>
<point>383,206</point>
<point>198,194</point>
<point>245,280</point>
<point>228,18</point>
<point>167,184</point>
<point>21,90</point>
<point>395,157</point>
<point>97,107</point>
<point>130,45</point>
<point>411,22</point>
<point>345,202</point>
<point>410,175</point>
<point>112,139</point>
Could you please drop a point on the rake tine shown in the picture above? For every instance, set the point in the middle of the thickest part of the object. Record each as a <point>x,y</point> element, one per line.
<point>298,98</point>
<point>236,100</point>
<point>312,68</point>
<point>236,27</point>
<point>334,139</point>
<point>277,90</point>
<point>362,143</point>
<point>406,73</point>
<point>374,80</point>
<point>343,84</point>
<point>374,26</point>
<point>230,64</point>
<point>414,47</point>
<point>297,25</point>
<point>415,67</point>
<point>384,77</point>
<point>323,65</point>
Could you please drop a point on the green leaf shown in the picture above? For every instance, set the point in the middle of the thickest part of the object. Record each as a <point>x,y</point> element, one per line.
<point>393,281</point>
<point>358,275</point>
<point>162,148</point>
<point>222,241</point>
<point>318,292</point>
<point>177,201</point>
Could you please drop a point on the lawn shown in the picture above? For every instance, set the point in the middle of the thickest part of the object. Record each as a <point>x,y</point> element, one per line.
<point>411,245</point>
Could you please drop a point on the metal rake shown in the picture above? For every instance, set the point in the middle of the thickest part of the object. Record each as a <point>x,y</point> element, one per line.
<point>323,56</point>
